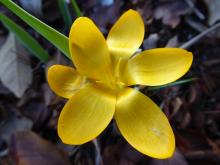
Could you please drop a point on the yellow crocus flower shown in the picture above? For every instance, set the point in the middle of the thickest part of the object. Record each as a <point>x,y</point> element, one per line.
<point>99,89</point>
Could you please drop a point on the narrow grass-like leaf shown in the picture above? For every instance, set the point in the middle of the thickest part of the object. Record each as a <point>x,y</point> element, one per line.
<point>172,84</point>
<point>29,42</point>
<point>76,8</point>
<point>55,37</point>
<point>65,13</point>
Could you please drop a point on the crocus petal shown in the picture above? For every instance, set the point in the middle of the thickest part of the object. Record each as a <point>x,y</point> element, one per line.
<point>64,80</point>
<point>127,34</point>
<point>157,66</point>
<point>86,115</point>
<point>89,49</point>
<point>143,124</point>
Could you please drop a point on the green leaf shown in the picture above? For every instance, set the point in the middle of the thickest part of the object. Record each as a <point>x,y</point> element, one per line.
<point>29,42</point>
<point>76,8</point>
<point>65,13</point>
<point>55,37</point>
<point>172,84</point>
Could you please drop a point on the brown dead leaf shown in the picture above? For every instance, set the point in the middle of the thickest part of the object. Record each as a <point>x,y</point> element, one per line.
<point>49,96</point>
<point>4,90</point>
<point>12,124</point>
<point>173,42</point>
<point>191,140</point>
<point>110,16</point>
<point>32,6</point>
<point>36,110</point>
<point>170,12</point>
<point>214,10</point>
<point>176,104</point>
<point>145,8</point>
<point>215,146</point>
<point>106,2</point>
<point>86,5</point>
<point>176,159</point>
<point>193,94</point>
<point>15,70</point>
<point>122,153</point>
<point>186,121</point>
<point>27,148</point>
<point>2,39</point>
<point>151,41</point>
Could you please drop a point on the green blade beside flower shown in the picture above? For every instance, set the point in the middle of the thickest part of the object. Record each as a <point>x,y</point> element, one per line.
<point>56,38</point>
<point>76,8</point>
<point>29,42</point>
<point>183,81</point>
<point>65,13</point>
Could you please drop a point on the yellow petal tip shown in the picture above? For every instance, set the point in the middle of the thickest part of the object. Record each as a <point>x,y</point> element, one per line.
<point>64,80</point>
<point>85,115</point>
<point>158,66</point>
<point>144,125</point>
<point>126,35</point>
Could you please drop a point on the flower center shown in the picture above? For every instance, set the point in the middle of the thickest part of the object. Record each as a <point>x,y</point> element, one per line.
<point>115,84</point>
